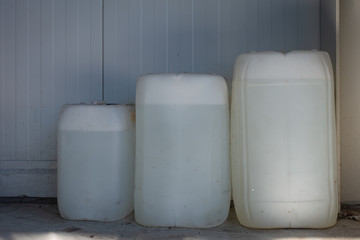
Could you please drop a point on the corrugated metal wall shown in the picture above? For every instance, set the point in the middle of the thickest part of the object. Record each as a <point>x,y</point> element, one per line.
<point>51,53</point>
<point>202,36</point>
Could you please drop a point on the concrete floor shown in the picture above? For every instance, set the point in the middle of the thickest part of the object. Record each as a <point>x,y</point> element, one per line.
<point>27,221</point>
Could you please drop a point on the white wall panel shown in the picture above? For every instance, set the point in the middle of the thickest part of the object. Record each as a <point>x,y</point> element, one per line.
<point>135,39</point>
<point>199,37</point>
<point>308,24</point>
<point>47,141</point>
<point>34,66</point>
<point>51,54</point>
<point>264,24</point>
<point>148,33</point>
<point>278,25</point>
<point>291,25</point>
<point>2,83</point>
<point>202,36</point>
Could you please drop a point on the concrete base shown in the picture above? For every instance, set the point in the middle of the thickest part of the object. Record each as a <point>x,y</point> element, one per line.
<point>25,221</point>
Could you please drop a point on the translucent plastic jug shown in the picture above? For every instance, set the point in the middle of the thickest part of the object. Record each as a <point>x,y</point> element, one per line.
<point>96,148</point>
<point>182,174</point>
<point>283,140</point>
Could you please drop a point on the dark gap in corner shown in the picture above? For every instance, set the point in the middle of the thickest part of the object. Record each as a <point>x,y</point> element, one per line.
<point>25,199</point>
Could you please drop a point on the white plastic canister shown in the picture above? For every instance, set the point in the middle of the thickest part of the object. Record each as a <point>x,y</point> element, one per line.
<point>182,176</point>
<point>96,148</point>
<point>283,140</point>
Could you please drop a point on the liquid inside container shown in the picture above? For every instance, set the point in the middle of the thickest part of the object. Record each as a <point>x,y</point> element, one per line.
<point>284,168</point>
<point>96,153</point>
<point>182,174</point>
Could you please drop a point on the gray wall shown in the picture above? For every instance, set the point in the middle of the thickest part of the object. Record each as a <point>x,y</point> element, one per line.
<point>198,36</point>
<point>350,98</point>
<point>51,53</point>
<point>328,28</point>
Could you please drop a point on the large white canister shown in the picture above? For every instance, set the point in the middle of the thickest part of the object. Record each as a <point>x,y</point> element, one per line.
<point>284,168</point>
<point>182,176</point>
<point>96,158</point>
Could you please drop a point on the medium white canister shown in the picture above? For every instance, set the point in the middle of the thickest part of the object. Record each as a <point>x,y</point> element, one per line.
<point>182,176</point>
<point>283,140</point>
<point>96,148</point>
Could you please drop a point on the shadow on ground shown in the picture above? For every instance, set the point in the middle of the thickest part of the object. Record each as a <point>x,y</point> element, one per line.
<point>38,221</point>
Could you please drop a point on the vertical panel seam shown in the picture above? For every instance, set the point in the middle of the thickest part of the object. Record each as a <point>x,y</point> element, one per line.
<point>141,36</point>
<point>53,78</point>
<point>231,27</point>
<point>78,50</point>
<point>284,26</point>
<point>285,32</point>
<point>128,51</point>
<point>243,25</point>
<point>28,80</point>
<point>3,76</point>
<point>15,92</point>
<point>65,37</point>
<point>116,46</point>
<point>192,35</point>
<point>271,25</point>
<point>153,37</point>
<point>40,70</point>
<point>297,24</point>
<point>218,35</point>
<point>257,24</point>
<point>167,36</point>
<point>102,52</point>
<point>90,50</point>
<point>319,25</point>
<point>204,35</point>
<point>179,36</point>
